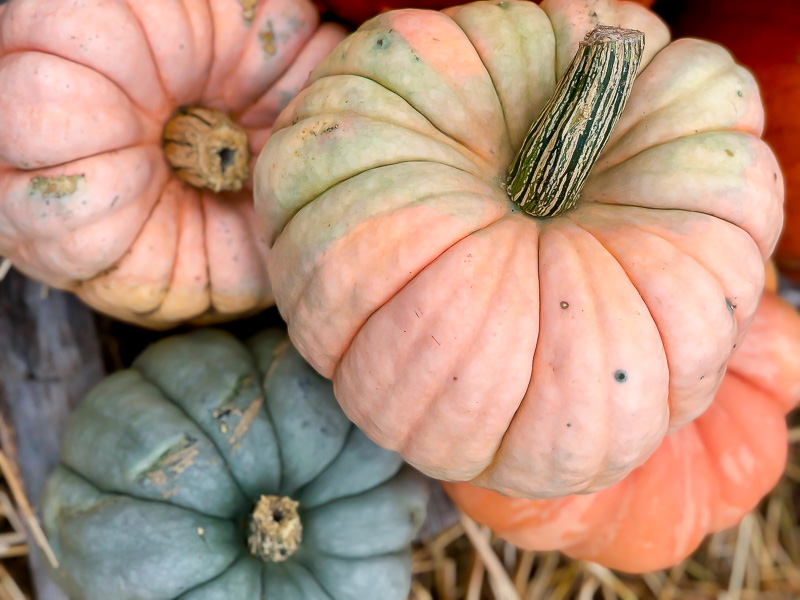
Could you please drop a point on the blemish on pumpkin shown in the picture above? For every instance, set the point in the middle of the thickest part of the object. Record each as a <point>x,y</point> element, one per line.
<point>729,152</point>
<point>248,416</point>
<point>620,376</point>
<point>55,187</point>
<point>564,304</point>
<point>267,37</point>
<point>739,93</point>
<point>569,424</point>
<point>331,128</point>
<point>248,9</point>
<point>201,532</point>
<point>731,306</point>
<point>173,463</point>
<point>435,340</point>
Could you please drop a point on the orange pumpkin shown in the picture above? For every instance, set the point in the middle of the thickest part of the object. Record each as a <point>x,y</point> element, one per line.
<point>536,355</point>
<point>764,36</point>
<point>99,99</point>
<point>704,478</point>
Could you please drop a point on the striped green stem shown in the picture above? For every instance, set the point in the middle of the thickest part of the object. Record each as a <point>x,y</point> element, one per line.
<point>551,168</point>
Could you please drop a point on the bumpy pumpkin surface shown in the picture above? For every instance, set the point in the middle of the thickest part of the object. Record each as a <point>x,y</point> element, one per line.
<point>539,357</point>
<point>764,37</point>
<point>703,478</point>
<point>358,11</point>
<point>163,464</point>
<point>88,199</point>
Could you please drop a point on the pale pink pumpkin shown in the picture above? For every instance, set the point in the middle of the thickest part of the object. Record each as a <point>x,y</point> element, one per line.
<point>88,201</point>
<point>704,478</point>
<point>538,357</point>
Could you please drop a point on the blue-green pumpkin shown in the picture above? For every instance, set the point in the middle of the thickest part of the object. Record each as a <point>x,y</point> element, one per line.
<point>220,470</point>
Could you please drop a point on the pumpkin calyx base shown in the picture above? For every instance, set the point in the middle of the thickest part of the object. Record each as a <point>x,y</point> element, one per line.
<point>564,142</point>
<point>207,149</point>
<point>275,530</point>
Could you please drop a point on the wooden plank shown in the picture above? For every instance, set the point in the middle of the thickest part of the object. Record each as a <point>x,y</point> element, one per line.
<point>50,357</point>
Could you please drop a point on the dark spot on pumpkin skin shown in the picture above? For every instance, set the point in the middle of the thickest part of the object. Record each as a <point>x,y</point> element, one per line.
<point>731,306</point>
<point>739,93</point>
<point>569,424</point>
<point>331,128</point>
<point>455,378</point>
<point>564,305</point>
<point>729,152</point>
<point>620,376</point>
<point>379,43</point>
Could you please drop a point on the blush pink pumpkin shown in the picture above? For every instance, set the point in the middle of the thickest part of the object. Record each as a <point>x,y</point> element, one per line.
<point>88,201</point>
<point>538,357</point>
<point>704,478</point>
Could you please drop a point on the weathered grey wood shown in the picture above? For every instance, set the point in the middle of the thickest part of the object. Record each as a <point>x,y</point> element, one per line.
<point>49,358</point>
<point>441,514</point>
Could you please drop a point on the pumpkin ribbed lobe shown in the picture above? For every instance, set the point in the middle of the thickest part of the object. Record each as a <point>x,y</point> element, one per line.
<point>207,149</point>
<point>275,530</point>
<point>554,162</point>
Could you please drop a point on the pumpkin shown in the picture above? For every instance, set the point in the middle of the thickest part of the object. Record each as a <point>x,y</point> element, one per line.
<point>216,469</point>
<point>126,139</point>
<point>771,277</point>
<point>539,356</point>
<point>704,478</point>
<point>764,37</point>
<point>358,11</point>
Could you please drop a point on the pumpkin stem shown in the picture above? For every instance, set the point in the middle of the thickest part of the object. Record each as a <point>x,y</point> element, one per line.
<point>207,149</point>
<point>275,530</point>
<point>550,170</point>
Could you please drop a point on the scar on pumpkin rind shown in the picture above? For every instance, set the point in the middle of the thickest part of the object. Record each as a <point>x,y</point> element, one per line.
<point>267,37</point>
<point>173,462</point>
<point>55,187</point>
<point>248,9</point>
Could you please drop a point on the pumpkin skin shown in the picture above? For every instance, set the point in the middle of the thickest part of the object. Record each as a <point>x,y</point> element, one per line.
<point>718,468</point>
<point>358,11</point>
<point>764,38</point>
<point>479,342</point>
<point>88,202</point>
<point>162,463</point>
